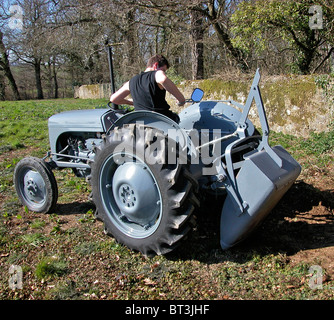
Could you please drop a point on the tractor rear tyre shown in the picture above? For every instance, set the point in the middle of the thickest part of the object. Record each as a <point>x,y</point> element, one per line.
<point>144,202</point>
<point>36,185</point>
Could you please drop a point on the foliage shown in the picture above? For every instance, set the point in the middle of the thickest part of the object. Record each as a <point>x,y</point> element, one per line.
<point>174,76</point>
<point>62,43</point>
<point>50,267</point>
<point>316,151</point>
<point>263,23</point>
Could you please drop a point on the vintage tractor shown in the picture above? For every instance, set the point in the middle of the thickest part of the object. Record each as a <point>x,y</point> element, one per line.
<point>149,174</point>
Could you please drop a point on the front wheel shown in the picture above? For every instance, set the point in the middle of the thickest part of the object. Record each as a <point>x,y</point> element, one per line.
<point>144,202</point>
<point>36,185</point>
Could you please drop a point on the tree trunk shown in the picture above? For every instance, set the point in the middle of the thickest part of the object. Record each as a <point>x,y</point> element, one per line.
<point>132,42</point>
<point>234,52</point>
<point>224,37</point>
<point>37,66</point>
<point>306,50</point>
<point>197,47</point>
<point>2,87</point>
<point>4,65</point>
<point>55,80</point>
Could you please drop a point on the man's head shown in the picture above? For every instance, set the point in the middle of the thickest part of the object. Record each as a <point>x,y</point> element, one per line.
<point>158,61</point>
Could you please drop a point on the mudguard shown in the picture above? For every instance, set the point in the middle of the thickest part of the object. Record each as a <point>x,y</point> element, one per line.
<point>160,122</point>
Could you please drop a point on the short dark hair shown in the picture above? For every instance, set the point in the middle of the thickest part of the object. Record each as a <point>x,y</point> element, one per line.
<point>162,61</point>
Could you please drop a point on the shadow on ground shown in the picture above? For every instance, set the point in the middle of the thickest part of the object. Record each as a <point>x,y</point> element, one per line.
<point>302,220</point>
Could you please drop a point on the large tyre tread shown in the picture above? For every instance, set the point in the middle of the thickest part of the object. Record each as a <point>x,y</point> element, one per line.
<point>177,181</point>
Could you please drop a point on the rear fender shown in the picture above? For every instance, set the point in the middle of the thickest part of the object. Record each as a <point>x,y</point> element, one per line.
<point>160,122</point>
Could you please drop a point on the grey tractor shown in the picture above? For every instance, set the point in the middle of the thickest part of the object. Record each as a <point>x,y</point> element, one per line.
<point>149,174</point>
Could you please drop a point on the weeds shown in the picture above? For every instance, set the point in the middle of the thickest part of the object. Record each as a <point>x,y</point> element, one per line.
<point>87,217</point>
<point>86,248</point>
<point>50,267</point>
<point>37,224</point>
<point>34,239</point>
<point>317,150</point>
<point>63,291</point>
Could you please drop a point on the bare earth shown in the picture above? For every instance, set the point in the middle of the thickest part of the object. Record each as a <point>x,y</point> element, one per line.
<point>302,223</point>
<point>300,226</point>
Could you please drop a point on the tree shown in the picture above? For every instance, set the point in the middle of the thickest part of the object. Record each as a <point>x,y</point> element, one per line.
<point>197,46</point>
<point>257,24</point>
<point>5,67</point>
<point>194,18</point>
<point>214,13</point>
<point>30,45</point>
<point>218,13</point>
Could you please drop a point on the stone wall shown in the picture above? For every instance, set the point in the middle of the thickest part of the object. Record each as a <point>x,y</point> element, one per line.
<point>294,104</point>
<point>93,91</point>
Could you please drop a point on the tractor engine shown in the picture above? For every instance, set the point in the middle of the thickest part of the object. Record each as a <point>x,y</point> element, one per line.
<point>73,136</point>
<point>82,151</point>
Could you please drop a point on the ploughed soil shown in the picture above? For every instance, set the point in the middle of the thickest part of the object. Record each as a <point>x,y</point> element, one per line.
<point>300,226</point>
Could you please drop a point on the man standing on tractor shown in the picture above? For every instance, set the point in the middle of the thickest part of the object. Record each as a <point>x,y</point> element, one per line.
<point>148,89</point>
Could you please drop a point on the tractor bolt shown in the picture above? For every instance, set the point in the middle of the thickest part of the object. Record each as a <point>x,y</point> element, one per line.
<point>31,187</point>
<point>147,226</point>
<point>221,178</point>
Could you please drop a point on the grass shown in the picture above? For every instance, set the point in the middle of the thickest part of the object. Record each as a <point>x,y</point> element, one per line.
<point>66,255</point>
<point>49,267</point>
<point>24,123</point>
<point>317,150</point>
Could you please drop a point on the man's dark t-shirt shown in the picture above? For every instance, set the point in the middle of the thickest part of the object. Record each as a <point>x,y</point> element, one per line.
<point>146,93</point>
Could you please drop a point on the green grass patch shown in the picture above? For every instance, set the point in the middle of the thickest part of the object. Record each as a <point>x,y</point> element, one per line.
<point>50,267</point>
<point>316,150</point>
<point>25,123</point>
<point>34,239</point>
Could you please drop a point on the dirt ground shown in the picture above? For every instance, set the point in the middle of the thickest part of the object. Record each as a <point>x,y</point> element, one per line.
<point>303,221</point>
<point>300,226</point>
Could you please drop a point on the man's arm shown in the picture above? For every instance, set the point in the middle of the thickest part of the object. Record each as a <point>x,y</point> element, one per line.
<point>119,96</point>
<point>168,85</point>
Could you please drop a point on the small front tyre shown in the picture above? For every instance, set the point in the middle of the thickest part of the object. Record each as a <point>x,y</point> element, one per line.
<point>36,185</point>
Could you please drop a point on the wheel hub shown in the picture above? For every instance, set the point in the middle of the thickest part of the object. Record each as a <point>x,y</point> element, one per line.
<point>127,195</point>
<point>34,186</point>
<point>135,193</point>
<point>31,187</point>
